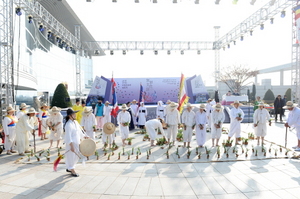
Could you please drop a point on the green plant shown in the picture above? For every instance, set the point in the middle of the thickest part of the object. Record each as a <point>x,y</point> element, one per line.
<point>179,136</point>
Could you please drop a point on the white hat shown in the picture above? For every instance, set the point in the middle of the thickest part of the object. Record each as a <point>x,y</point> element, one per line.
<point>202,106</point>
<point>107,102</point>
<point>44,105</point>
<point>173,105</point>
<point>218,106</point>
<point>10,109</point>
<point>86,111</point>
<point>236,102</point>
<point>261,104</point>
<point>23,105</point>
<point>31,110</point>
<point>124,107</point>
<point>188,105</point>
<point>289,104</point>
<point>55,109</point>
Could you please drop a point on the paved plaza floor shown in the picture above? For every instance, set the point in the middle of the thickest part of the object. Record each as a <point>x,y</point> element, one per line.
<point>266,172</point>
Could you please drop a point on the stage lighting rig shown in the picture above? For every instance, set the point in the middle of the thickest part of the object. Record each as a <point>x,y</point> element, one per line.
<point>18,11</point>
<point>141,52</point>
<point>30,18</point>
<point>242,38</point>
<point>251,32</point>
<point>111,52</point>
<point>198,52</point>
<point>169,52</point>
<point>262,26</point>
<point>282,14</point>
<point>182,52</point>
<point>155,52</point>
<point>271,20</point>
<point>124,52</point>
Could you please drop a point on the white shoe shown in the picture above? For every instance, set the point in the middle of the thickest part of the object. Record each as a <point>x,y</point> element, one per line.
<point>297,149</point>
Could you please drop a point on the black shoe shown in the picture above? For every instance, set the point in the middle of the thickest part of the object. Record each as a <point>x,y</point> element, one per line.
<point>74,174</point>
<point>67,170</point>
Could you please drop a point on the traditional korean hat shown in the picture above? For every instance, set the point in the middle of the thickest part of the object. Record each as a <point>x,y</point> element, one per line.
<point>23,105</point>
<point>202,106</point>
<point>109,128</point>
<point>188,105</point>
<point>87,147</point>
<point>124,107</point>
<point>70,111</point>
<point>107,102</point>
<point>31,110</point>
<point>173,105</point>
<point>10,109</point>
<point>44,105</point>
<point>236,102</point>
<point>289,104</point>
<point>218,106</point>
<point>86,111</point>
<point>55,109</point>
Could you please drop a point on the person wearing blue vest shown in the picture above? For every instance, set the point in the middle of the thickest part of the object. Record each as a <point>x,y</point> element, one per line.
<point>99,113</point>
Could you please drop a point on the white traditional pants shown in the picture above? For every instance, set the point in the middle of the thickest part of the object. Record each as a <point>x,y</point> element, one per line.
<point>172,132</point>
<point>216,132</point>
<point>235,129</point>
<point>22,139</point>
<point>124,131</point>
<point>107,138</point>
<point>9,141</point>
<point>201,135</point>
<point>187,134</point>
<point>151,131</point>
<point>71,158</point>
<point>261,130</point>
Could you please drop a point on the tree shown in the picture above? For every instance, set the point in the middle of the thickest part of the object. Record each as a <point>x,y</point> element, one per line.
<point>288,94</point>
<point>235,77</point>
<point>269,96</point>
<point>249,95</point>
<point>253,95</point>
<point>61,97</point>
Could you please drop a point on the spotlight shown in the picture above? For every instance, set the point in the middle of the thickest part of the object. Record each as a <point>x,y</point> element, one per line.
<point>242,38</point>
<point>252,2</point>
<point>251,32</point>
<point>141,52</point>
<point>198,52</point>
<point>271,20</point>
<point>136,1</point>
<point>182,52</point>
<point>272,2</point>
<point>71,49</point>
<point>114,1</point>
<point>282,14</point>
<point>174,1</point>
<point>41,28</point>
<point>18,11</point>
<point>169,52</point>
<point>155,52</point>
<point>234,42</point>
<point>111,52</point>
<point>97,52</point>
<point>228,45</point>
<point>196,1</point>
<point>217,2</point>
<point>262,26</point>
<point>30,18</point>
<point>49,34</point>
<point>124,52</point>
<point>154,1</point>
<point>88,0</point>
<point>58,40</point>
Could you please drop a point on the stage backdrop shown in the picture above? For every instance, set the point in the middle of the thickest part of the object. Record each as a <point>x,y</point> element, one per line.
<point>154,89</point>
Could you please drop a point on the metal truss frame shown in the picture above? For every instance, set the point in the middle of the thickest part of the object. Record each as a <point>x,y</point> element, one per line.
<point>77,63</point>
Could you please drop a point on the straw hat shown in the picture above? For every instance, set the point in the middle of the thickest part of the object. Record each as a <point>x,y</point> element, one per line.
<point>168,102</point>
<point>261,104</point>
<point>236,102</point>
<point>289,104</point>
<point>86,111</point>
<point>218,106</point>
<point>173,105</point>
<point>109,128</point>
<point>107,102</point>
<point>23,105</point>
<point>124,107</point>
<point>188,105</point>
<point>134,100</point>
<point>87,147</point>
<point>31,110</point>
<point>202,106</point>
<point>44,105</point>
<point>55,109</point>
<point>10,109</point>
<point>209,100</point>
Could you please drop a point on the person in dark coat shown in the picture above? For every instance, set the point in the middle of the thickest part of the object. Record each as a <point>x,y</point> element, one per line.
<point>278,104</point>
<point>131,125</point>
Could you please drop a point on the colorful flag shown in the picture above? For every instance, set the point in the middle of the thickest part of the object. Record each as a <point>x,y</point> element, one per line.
<point>114,111</point>
<point>182,97</point>
<point>296,9</point>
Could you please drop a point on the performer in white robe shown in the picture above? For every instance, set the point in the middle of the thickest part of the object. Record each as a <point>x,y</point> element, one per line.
<point>217,120</point>
<point>134,110</point>
<point>201,119</point>
<point>167,108</point>
<point>9,127</point>
<point>160,109</point>
<point>142,114</point>
<point>107,118</point>
<point>23,110</point>
<point>293,120</point>
<point>260,118</point>
<point>55,123</point>
<point>151,128</point>
<point>209,110</point>
<point>73,135</point>
<point>236,115</point>
<point>88,122</point>
<point>188,119</point>
<point>124,119</point>
<point>25,125</point>
<point>43,116</point>
<point>172,121</point>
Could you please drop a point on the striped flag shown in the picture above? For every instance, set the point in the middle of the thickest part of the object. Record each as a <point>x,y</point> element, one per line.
<point>296,9</point>
<point>182,96</point>
<point>114,111</point>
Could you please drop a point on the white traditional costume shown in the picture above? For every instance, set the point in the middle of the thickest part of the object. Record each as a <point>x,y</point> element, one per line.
<point>107,118</point>
<point>152,126</point>
<point>43,116</point>
<point>209,110</point>
<point>55,120</point>
<point>142,114</point>
<point>293,119</point>
<point>217,118</point>
<point>235,125</point>
<point>188,118</point>
<point>261,117</point>
<point>160,110</point>
<point>9,128</point>
<point>172,120</point>
<point>124,117</point>
<point>134,111</point>
<point>25,126</point>
<point>88,122</point>
<point>201,119</point>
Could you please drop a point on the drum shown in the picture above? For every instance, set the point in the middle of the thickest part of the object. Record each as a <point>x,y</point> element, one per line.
<point>87,147</point>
